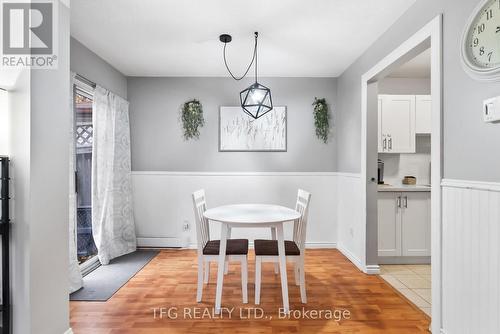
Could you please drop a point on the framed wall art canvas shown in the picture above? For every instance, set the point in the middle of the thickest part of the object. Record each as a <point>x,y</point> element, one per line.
<point>240,133</point>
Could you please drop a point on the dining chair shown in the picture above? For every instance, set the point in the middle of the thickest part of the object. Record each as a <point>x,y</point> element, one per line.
<point>208,250</point>
<point>267,250</point>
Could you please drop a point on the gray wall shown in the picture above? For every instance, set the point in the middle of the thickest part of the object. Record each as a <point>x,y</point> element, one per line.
<point>469,144</point>
<point>156,133</point>
<point>404,86</point>
<point>91,66</point>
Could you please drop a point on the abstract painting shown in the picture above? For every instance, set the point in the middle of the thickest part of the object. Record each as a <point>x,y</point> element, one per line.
<point>238,132</point>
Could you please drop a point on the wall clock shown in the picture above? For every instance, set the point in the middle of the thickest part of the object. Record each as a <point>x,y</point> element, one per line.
<point>481,42</point>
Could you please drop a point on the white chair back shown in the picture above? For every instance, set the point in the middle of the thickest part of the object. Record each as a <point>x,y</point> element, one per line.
<point>300,225</point>
<point>202,227</point>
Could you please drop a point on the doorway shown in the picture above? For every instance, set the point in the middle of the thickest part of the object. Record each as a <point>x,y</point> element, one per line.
<point>429,37</point>
<point>404,187</point>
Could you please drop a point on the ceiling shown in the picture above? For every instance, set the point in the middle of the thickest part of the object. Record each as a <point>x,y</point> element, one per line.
<point>180,38</point>
<point>418,67</point>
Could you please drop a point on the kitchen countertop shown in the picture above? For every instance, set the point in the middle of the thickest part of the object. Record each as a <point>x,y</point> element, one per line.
<point>403,187</point>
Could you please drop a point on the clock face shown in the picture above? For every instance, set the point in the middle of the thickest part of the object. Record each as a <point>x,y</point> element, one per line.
<point>483,37</point>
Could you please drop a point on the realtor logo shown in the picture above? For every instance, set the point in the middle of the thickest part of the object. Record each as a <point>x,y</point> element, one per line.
<point>28,34</point>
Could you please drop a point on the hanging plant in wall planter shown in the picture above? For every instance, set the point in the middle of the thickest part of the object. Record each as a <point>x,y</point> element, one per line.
<point>192,119</point>
<point>321,119</point>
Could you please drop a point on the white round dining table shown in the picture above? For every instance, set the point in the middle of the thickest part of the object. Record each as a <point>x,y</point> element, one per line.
<point>251,215</point>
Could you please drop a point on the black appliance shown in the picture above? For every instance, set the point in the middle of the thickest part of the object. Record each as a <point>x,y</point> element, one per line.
<point>380,172</point>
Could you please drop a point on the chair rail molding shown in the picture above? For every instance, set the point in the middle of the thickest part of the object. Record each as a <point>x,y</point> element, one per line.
<point>476,185</point>
<point>199,173</point>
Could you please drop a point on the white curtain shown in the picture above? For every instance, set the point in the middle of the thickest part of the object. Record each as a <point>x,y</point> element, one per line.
<point>75,275</point>
<point>112,217</point>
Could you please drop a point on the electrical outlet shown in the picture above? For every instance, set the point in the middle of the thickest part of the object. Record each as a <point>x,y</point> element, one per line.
<point>185,226</point>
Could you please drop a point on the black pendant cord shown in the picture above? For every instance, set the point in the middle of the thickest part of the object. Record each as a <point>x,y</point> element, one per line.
<point>255,55</point>
<point>254,59</point>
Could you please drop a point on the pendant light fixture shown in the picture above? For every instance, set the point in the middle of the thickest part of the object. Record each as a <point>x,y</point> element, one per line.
<point>255,100</point>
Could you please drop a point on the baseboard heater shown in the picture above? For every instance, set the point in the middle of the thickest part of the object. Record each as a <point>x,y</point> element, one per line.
<point>159,242</point>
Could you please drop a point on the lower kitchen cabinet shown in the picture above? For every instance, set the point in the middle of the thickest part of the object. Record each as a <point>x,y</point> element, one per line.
<point>404,223</point>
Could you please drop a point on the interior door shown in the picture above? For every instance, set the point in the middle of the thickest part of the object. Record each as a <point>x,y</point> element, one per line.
<point>389,224</point>
<point>416,224</point>
<point>397,117</point>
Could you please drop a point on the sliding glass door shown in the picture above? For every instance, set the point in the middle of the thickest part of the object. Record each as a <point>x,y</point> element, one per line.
<point>83,96</point>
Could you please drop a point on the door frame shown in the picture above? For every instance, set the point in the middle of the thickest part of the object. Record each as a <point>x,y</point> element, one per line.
<point>430,33</point>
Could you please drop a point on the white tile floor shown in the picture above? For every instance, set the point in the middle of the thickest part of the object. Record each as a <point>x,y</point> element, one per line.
<point>412,281</point>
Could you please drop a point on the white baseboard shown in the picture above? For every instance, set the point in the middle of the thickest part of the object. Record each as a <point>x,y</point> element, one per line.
<point>372,269</point>
<point>69,331</point>
<point>160,242</point>
<point>318,245</point>
<point>354,259</point>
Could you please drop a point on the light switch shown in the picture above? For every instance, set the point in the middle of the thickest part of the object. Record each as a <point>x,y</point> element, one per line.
<point>491,109</point>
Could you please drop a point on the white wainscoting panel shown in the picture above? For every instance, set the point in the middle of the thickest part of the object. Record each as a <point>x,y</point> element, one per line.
<point>350,223</point>
<point>162,203</point>
<point>471,257</point>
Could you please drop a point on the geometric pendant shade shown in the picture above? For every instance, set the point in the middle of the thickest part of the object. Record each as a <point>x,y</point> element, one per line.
<point>256,100</point>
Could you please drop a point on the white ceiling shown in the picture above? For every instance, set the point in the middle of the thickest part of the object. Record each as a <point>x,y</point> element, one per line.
<point>418,67</point>
<point>180,38</point>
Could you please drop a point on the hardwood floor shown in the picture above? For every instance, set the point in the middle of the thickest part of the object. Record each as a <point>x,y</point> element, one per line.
<point>169,282</point>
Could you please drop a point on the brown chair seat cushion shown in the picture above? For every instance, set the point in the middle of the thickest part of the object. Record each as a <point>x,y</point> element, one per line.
<point>233,247</point>
<point>270,247</point>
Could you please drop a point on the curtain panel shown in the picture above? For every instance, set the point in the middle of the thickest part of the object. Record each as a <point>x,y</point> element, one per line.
<point>112,217</point>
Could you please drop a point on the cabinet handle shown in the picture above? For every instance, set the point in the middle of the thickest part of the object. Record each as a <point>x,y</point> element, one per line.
<point>406,202</point>
<point>390,144</point>
<point>398,202</point>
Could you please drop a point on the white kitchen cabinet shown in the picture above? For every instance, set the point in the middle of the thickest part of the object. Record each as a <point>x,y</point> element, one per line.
<point>416,223</point>
<point>396,123</point>
<point>423,114</point>
<point>389,224</point>
<point>404,224</point>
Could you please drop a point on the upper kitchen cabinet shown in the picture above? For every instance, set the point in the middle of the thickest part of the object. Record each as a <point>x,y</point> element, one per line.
<point>423,112</point>
<point>396,117</point>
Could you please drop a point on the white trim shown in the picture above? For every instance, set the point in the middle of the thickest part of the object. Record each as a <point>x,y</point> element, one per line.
<point>159,242</point>
<point>69,331</point>
<point>89,265</point>
<point>195,173</point>
<point>432,31</point>
<point>373,269</point>
<point>367,269</point>
<point>476,185</point>
<point>353,258</point>
<point>66,3</point>
<point>321,245</point>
